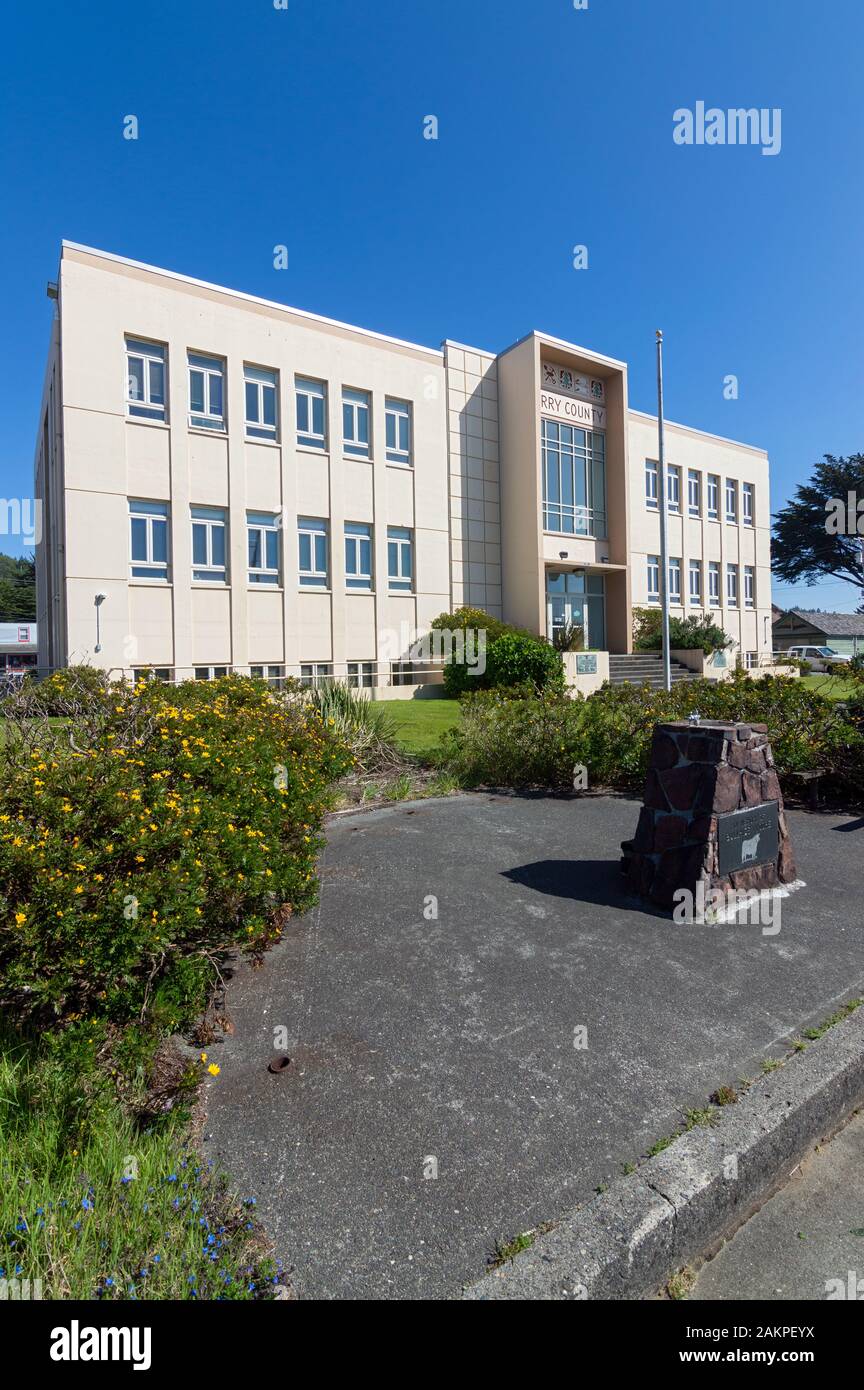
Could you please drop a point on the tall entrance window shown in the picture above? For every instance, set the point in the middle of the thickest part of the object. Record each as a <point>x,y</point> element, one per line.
<point>579,599</point>
<point>574,480</point>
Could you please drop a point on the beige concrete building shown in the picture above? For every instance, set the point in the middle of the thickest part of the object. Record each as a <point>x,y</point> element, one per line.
<point>229,483</point>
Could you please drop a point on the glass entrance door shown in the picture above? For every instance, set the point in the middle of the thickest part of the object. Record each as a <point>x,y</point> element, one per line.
<point>579,599</point>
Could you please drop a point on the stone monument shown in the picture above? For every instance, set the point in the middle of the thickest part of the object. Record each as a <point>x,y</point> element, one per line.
<point>712,814</point>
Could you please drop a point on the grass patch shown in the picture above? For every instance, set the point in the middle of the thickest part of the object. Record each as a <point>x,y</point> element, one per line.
<point>96,1205</point>
<point>417,725</point>
<point>831,687</point>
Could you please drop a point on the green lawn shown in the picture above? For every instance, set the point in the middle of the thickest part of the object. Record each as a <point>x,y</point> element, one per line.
<point>419,724</point>
<point>832,687</point>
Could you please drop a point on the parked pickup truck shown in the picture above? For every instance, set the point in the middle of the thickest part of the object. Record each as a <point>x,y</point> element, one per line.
<point>820,658</point>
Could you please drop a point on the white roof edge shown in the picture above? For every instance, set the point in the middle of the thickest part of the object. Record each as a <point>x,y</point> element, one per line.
<point>575,347</point>
<point>249,298</point>
<point>466,347</point>
<point>704,434</point>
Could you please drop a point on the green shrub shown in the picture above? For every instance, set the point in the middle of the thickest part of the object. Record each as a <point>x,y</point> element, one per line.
<point>516,738</point>
<point>511,739</point>
<point>514,656</point>
<point>685,634</point>
<point>517,658</point>
<point>159,828</point>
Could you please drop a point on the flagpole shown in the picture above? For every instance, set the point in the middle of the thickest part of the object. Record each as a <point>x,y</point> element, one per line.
<point>664,518</point>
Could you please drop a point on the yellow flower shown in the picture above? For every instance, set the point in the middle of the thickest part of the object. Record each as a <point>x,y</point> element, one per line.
<point>203,1056</point>
<point>20,918</point>
<point>213,1069</point>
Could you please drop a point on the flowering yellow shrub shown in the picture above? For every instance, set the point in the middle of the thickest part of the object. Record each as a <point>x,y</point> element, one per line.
<point>151,831</point>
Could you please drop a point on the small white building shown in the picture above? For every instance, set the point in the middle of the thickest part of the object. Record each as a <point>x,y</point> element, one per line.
<point>19,646</point>
<point>229,483</point>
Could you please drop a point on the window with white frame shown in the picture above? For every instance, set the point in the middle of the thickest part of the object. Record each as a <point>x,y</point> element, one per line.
<point>673,487</point>
<point>731,500</point>
<point>713,584</point>
<point>574,480</point>
<point>209,545</point>
<point>747,503</point>
<point>274,675</point>
<point>358,555</point>
<point>751,660</point>
<point>145,379</point>
<point>713,497</point>
<point>674,580</point>
<point>402,673</point>
<point>210,673</point>
<point>694,492</point>
<point>400,559</point>
<point>732,586</point>
<point>311,413</point>
<point>653,579</point>
<point>148,540</point>
<point>356,435</point>
<point>361,673</point>
<point>397,421</point>
<point>749,587</point>
<point>152,673</point>
<point>263,532</point>
<point>315,673</point>
<point>261,387</point>
<point>695,571</point>
<point>651,493</point>
<point>206,392</point>
<point>313,553</point>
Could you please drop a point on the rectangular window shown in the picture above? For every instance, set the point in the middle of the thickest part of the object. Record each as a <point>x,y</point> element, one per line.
<point>673,487</point>
<point>674,580</point>
<point>694,491</point>
<point>206,392</point>
<point>713,584</point>
<point>145,379</point>
<point>713,497</point>
<point>402,673</point>
<point>397,418</point>
<point>209,545</point>
<point>732,586</point>
<point>152,673</point>
<point>311,413</point>
<point>261,402</point>
<point>263,531</point>
<point>574,480</point>
<point>361,673</point>
<point>653,579</point>
<point>747,503</point>
<point>358,556</point>
<point>315,673</point>
<point>355,423</point>
<point>651,493</point>
<point>210,673</point>
<point>731,500</point>
<point>274,675</point>
<point>696,583</point>
<point>400,562</point>
<point>749,587</point>
<point>314,567</point>
<point>148,540</point>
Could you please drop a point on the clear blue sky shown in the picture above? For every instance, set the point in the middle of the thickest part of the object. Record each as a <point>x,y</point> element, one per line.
<point>304,126</point>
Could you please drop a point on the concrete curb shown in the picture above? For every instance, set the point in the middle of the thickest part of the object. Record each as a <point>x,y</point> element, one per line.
<point>627,1242</point>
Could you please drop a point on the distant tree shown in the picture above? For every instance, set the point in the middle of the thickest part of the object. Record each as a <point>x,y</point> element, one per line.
<point>813,539</point>
<point>17,589</point>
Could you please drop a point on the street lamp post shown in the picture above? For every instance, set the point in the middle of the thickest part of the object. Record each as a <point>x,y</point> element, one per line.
<point>664,519</point>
